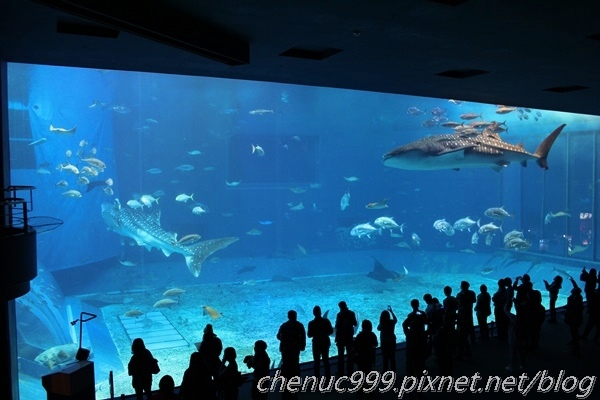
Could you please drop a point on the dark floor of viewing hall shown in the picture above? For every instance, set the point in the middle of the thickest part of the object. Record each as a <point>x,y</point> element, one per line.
<point>489,358</point>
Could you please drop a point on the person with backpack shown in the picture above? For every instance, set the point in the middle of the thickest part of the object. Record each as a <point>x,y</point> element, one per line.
<point>141,367</point>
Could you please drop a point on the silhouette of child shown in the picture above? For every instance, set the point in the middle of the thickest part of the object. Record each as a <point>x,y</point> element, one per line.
<point>365,344</point>
<point>166,387</point>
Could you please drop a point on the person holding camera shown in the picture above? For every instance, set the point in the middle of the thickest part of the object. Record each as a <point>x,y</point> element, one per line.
<point>553,289</point>
<point>261,363</point>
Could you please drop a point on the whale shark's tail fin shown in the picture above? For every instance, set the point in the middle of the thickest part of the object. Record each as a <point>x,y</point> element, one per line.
<point>201,251</point>
<point>544,147</point>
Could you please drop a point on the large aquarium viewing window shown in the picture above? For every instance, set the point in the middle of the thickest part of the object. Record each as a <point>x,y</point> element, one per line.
<point>188,201</point>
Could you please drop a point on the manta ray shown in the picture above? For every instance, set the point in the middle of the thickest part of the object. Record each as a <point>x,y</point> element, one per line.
<point>382,274</point>
<point>465,150</point>
<point>144,227</point>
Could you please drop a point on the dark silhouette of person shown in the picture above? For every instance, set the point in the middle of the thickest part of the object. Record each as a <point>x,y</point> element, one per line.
<point>139,369</point>
<point>434,312</point>
<point>553,289</point>
<point>387,339</point>
<point>415,331</point>
<point>466,299</point>
<point>499,299</point>
<point>523,290</point>
<point>534,319</point>
<point>365,344</point>
<point>197,380</point>
<point>516,336</point>
<point>229,378</point>
<point>594,318</point>
<point>210,348</point>
<point>483,309</point>
<point>292,340</point>
<point>591,280</point>
<point>319,329</point>
<point>450,307</point>
<point>261,363</point>
<point>166,389</point>
<point>574,315</point>
<point>444,345</point>
<point>345,323</point>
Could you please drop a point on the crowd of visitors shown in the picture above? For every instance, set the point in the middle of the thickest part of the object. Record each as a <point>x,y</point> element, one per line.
<point>444,330</point>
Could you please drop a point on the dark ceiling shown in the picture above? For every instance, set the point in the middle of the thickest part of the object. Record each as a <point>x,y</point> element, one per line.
<point>539,54</point>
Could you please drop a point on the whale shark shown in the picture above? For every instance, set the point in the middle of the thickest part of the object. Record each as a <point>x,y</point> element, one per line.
<point>145,229</point>
<point>465,150</point>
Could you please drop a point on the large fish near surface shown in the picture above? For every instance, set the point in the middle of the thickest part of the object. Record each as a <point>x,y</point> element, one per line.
<point>464,150</point>
<point>144,227</point>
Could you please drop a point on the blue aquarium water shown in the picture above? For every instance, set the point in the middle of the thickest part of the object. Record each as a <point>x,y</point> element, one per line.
<point>192,200</point>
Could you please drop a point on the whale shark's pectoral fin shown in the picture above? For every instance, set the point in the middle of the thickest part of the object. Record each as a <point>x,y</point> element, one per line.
<point>202,250</point>
<point>500,165</point>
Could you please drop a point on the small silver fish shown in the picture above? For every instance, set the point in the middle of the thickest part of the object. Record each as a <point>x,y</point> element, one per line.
<point>39,141</point>
<point>258,150</point>
<point>62,130</point>
<point>345,201</point>
<point>475,238</point>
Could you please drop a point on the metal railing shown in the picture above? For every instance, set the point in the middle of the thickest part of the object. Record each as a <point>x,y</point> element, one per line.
<point>15,207</point>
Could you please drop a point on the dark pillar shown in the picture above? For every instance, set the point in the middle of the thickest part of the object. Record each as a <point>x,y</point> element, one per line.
<point>8,349</point>
<point>8,345</point>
